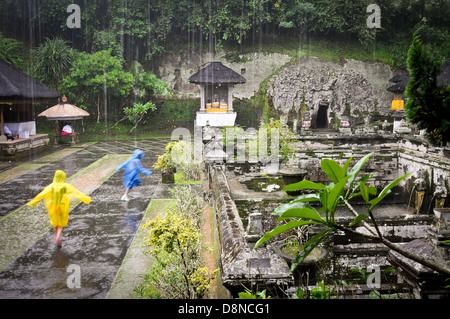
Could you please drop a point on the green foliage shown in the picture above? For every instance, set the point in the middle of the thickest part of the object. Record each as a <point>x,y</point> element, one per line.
<point>106,40</point>
<point>147,85</point>
<point>247,294</point>
<point>188,203</point>
<point>100,77</point>
<point>322,291</point>
<point>183,157</point>
<point>52,61</point>
<point>248,112</point>
<point>285,135</point>
<point>272,140</point>
<point>426,101</point>
<point>136,113</point>
<point>173,113</point>
<point>165,161</point>
<point>172,234</point>
<point>375,294</point>
<point>10,51</point>
<point>344,185</point>
<point>96,77</point>
<point>179,156</point>
<point>175,241</point>
<point>144,30</point>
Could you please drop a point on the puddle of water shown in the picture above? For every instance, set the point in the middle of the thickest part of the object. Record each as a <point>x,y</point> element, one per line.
<point>266,184</point>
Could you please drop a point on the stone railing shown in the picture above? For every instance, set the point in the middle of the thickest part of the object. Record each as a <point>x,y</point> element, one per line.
<point>241,265</point>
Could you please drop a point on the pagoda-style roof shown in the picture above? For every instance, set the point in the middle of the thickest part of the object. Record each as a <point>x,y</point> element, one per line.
<point>400,82</point>
<point>16,85</point>
<point>399,87</point>
<point>399,78</point>
<point>216,72</point>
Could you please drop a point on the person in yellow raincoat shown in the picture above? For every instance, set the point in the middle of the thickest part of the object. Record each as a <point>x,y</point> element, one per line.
<point>57,197</point>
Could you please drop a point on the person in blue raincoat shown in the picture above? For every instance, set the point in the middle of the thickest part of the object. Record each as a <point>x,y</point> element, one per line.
<point>132,169</point>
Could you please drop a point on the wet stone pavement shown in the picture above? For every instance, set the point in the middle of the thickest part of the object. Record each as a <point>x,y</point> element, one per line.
<point>33,182</point>
<point>97,237</point>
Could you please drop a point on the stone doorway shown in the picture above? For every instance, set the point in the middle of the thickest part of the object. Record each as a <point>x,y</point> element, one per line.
<point>322,116</point>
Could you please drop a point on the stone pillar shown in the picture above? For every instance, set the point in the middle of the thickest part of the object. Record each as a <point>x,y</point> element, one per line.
<point>202,98</point>
<point>254,229</point>
<point>230,98</point>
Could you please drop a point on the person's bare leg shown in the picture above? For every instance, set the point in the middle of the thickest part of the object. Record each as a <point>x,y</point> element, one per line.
<point>58,236</point>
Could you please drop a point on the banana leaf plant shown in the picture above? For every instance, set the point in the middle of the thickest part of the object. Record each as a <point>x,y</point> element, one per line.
<point>345,185</point>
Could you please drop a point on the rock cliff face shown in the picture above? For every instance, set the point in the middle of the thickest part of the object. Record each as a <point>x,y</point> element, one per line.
<point>176,69</point>
<point>354,90</point>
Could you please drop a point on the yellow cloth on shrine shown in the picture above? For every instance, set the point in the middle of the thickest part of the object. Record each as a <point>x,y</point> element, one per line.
<point>397,105</point>
<point>57,197</point>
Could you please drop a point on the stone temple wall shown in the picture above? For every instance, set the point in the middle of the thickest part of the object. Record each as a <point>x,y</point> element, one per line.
<point>392,157</point>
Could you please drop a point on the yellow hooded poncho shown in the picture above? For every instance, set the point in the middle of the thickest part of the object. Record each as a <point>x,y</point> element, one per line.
<point>57,196</point>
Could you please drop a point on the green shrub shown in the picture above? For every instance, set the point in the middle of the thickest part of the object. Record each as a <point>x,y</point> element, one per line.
<point>176,241</point>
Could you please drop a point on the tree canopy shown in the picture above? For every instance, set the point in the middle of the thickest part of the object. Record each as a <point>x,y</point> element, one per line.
<point>145,29</point>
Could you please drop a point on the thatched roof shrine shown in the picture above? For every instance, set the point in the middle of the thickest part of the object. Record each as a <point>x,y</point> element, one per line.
<point>216,72</point>
<point>64,111</point>
<point>216,83</point>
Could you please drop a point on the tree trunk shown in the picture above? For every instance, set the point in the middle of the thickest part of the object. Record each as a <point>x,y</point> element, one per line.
<point>98,110</point>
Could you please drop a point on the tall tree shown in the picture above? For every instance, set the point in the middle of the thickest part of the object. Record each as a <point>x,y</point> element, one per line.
<point>97,77</point>
<point>428,104</point>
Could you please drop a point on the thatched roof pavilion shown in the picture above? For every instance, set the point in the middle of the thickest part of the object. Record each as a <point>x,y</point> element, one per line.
<point>18,86</point>
<point>18,92</point>
<point>216,82</point>
<point>64,112</point>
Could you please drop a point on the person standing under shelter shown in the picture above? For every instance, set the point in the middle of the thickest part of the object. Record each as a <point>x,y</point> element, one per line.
<point>131,177</point>
<point>66,130</point>
<point>57,197</point>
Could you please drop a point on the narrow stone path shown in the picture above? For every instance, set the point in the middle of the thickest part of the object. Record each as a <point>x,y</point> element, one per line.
<point>98,235</point>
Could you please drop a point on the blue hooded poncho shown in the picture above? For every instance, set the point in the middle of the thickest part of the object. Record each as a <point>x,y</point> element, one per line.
<point>132,169</point>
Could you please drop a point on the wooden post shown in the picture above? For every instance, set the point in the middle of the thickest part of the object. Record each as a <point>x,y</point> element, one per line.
<point>55,142</point>
<point>73,133</point>
<point>2,121</point>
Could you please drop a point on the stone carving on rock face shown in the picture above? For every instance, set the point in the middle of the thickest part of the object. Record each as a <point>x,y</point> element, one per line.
<point>313,82</point>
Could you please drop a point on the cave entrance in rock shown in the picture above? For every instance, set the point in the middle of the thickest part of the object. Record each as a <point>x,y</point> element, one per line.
<point>322,116</point>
